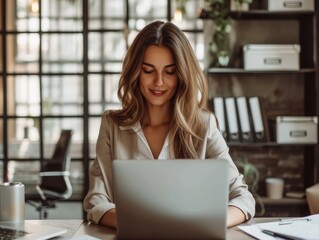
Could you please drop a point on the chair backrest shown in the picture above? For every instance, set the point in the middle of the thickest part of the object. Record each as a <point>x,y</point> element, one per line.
<point>60,160</point>
<point>55,171</point>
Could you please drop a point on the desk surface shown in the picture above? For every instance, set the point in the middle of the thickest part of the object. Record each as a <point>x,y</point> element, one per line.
<point>78,228</point>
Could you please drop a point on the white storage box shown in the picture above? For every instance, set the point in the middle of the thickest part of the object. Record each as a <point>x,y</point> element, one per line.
<point>297,129</point>
<point>291,5</point>
<point>271,57</point>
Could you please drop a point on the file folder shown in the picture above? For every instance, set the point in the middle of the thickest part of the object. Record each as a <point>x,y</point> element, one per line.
<point>232,119</point>
<point>244,119</point>
<point>259,119</point>
<point>219,110</point>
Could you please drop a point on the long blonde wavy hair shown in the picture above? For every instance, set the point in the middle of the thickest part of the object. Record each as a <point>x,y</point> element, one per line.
<point>190,100</point>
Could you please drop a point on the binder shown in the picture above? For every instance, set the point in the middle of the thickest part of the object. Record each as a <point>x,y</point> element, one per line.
<point>219,110</point>
<point>245,121</point>
<point>260,123</point>
<point>232,120</point>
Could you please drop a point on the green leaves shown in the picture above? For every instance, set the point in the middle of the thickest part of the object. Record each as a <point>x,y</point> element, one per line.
<point>219,46</point>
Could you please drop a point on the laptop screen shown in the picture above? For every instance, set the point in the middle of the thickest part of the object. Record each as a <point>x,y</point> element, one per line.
<point>171,199</point>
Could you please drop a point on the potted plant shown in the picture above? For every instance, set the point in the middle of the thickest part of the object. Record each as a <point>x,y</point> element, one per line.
<point>219,45</point>
<point>240,5</point>
<point>251,177</point>
<point>219,13</point>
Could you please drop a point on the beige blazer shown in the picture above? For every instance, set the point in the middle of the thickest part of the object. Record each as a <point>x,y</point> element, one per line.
<point>117,142</point>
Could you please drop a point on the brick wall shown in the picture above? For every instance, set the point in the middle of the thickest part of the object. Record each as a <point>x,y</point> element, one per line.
<point>282,162</point>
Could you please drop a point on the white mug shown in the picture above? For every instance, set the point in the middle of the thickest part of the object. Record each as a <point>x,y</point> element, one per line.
<point>12,202</point>
<point>274,188</point>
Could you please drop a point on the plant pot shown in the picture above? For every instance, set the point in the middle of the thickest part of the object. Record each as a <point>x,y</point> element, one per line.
<point>220,51</point>
<point>236,6</point>
<point>223,58</point>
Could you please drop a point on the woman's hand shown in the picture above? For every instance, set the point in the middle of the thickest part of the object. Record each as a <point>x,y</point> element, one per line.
<point>234,216</point>
<point>109,219</point>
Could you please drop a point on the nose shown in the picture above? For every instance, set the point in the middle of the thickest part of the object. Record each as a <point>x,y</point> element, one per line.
<point>158,79</point>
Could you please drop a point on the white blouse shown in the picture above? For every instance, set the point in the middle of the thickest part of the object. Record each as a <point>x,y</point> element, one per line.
<point>144,150</point>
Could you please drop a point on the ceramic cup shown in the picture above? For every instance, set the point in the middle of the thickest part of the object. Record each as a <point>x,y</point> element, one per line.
<point>274,188</point>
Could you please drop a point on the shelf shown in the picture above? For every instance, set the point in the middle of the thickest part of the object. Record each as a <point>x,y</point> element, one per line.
<point>284,201</point>
<point>265,14</point>
<point>262,14</point>
<point>241,70</point>
<point>266,144</point>
<point>284,207</point>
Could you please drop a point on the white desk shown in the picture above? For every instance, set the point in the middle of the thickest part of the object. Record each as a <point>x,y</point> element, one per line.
<point>79,228</point>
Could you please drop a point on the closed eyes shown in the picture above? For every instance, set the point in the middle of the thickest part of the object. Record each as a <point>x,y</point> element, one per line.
<point>169,70</point>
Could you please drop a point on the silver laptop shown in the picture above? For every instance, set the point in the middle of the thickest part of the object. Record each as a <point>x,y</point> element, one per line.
<point>171,199</point>
<point>29,231</point>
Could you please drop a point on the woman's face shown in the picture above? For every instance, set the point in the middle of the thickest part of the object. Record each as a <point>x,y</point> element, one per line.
<point>158,78</point>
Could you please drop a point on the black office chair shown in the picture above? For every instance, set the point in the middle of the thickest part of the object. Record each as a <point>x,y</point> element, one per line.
<point>55,184</point>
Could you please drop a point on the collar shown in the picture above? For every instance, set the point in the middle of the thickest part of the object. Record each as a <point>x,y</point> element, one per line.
<point>136,127</point>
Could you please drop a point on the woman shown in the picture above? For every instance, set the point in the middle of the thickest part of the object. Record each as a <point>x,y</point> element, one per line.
<point>164,115</point>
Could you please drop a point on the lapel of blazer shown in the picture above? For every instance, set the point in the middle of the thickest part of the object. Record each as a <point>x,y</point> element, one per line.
<point>128,143</point>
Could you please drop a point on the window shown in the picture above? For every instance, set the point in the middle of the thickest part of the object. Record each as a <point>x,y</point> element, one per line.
<point>60,65</point>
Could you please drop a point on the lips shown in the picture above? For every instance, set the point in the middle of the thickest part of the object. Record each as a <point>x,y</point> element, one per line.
<point>157,92</point>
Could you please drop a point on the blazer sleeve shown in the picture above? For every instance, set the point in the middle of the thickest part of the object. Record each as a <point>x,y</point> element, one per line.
<point>99,198</point>
<point>216,148</point>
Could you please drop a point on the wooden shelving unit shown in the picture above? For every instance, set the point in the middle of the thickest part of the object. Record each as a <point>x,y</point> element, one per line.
<point>306,35</point>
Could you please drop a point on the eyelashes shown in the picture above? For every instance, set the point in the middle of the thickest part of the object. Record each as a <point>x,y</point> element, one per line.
<point>169,72</point>
<point>147,71</point>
